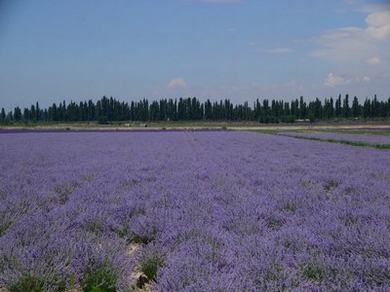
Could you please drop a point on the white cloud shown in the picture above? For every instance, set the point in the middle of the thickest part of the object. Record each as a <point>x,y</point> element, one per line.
<point>277,50</point>
<point>358,57</point>
<point>379,25</point>
<point>177,83</point>
<point>345,44</point>
<point>374,61</point>
<point>355,43</point>
<point>333,80</point>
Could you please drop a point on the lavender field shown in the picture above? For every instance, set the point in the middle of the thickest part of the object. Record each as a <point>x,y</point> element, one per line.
<point>359,138</point>
<point>191,211</point>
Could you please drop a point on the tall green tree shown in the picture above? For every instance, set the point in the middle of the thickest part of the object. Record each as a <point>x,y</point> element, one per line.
<point>355,107</point>
<point>338,112</point>
<point>191,108</point>
<point>302,108</point>
<point>346,109</point>
<point>2,115</point>
<point>37,112</point>
<point>17,114</point>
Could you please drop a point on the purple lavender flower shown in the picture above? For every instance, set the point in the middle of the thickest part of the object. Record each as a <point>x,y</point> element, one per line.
<point>360,138</point>
<point>199,211</point>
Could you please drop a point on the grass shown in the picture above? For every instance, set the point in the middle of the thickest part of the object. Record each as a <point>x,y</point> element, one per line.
<point>373,132</point>
<point>30,283</point>
<point>100,280</point>
<point>359,144</point>
<point>346,142</point>
<point>133,124</point>
<point>330,185</point>
<point>340,130</point>
<point>27,284</point>
<point>123,232</point>
<point>141,239</point>
<point>321,125</point>
<point>150,267</point>
<point>274,223</point>
<point>313,272</point>
<point>4,227</point>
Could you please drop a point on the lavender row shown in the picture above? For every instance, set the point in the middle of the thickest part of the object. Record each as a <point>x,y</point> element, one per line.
<point>360,138</point>
<point>211,210</point>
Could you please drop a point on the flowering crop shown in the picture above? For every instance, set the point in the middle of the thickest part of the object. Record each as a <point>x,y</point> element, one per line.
<point>359,138</point>
<point>209,211</point>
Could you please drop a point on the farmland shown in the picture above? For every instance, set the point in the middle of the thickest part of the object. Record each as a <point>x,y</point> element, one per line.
<point>194,211</point>
<point>368,139</point>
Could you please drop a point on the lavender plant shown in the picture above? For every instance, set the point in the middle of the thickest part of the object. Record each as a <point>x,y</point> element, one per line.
<point>354,138</point>
<point>207,211</point>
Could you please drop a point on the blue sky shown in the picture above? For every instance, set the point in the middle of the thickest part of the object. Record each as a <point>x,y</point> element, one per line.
<point>52,50</point>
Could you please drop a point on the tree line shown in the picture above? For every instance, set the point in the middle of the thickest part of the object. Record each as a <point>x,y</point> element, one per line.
<point>188,109</point>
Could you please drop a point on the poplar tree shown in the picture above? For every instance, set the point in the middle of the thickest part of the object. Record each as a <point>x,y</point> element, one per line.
<point>2,115</point>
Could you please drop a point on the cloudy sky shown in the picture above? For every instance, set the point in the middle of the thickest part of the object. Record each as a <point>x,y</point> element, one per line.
<point>52,50</point>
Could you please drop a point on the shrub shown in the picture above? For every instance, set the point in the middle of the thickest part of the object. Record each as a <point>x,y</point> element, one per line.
<point>3,228</point>
<point>27,284</point>
<point>123,232</point>
<point>30,283</point>
<point>314,272</point>
<point>102,120</point>
<point>150,266</point>
<point>101,279</point>
<point>330,185</point>
<point>141,239</point>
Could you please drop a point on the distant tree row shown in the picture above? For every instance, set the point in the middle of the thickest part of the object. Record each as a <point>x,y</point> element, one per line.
<point>183,109</point>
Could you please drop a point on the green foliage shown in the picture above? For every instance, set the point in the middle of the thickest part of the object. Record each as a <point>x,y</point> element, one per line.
<point>314,272</point>
<point>274,223</point>
<point>102,120</point>
<point>290,206</point>
<point>3,228</point>
<point>141,239</point>
<point>95,227</point>
<point>311,117</point>
<point>150,266</point>
<point>72,281</point>
<point>30,283</point>
<point>2,115</point>
<point>27,284</point>
<point>101,279</point>
<point>359,144</point>
<point>330,185</point>
<point>64,191</point>
<point>287,119</point>
<point>123,232</point>
<point>108,110</point>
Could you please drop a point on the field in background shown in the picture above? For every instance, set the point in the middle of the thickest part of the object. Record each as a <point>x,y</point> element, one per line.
<point>344,125</point>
